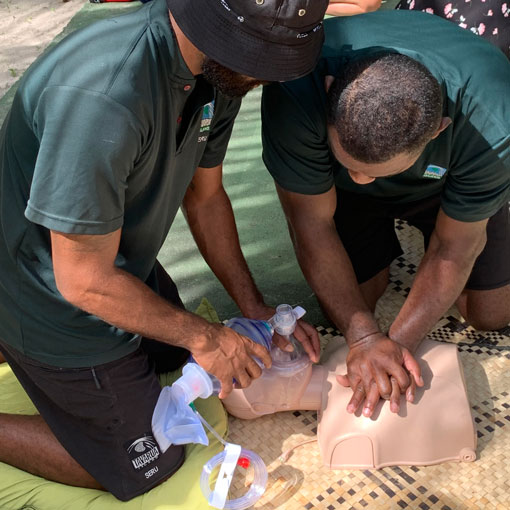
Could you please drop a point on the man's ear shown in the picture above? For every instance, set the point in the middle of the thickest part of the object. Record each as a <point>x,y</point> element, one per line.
<point>328,80</point>
<point>445,122</point>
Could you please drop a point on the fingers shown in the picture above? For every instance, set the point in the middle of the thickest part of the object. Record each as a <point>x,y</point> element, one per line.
<point>343,380</point>
<point>401,376</point>
<point>384,385</point>
<point>411,391</point>
<point>367,379</point>
<point>371,401</point>
<point>242,379</point>
<point>253,369</point>
<point>358,391</point>
<point>227,385</point>
<point>309,338</point>
<point>282,343</point>
<point>395,396</point>
<point>259,352</point>
<point>235,359</point>
<point>412,366</point>
<point>357,398</point>
<point>247,367</point>
<point>306,335</point>
<point>244,374</point>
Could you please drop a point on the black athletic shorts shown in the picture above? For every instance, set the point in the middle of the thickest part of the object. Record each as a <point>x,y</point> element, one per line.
<point>366,227</point>
<point>102,414</point>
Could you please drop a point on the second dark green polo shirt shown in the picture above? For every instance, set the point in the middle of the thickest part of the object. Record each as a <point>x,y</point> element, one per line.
<point>468,163</point>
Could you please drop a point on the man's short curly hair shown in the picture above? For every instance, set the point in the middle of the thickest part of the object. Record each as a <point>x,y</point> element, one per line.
<point>384,105</point>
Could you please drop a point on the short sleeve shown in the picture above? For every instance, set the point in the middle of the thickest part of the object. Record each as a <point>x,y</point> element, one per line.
<point>294,140</point>
<point>478,183</point>
<point>88,146</point>
<point>221,128</point>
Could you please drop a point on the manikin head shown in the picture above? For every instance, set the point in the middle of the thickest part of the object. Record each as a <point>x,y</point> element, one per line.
<point>382,111</point>
<point>239,44</point>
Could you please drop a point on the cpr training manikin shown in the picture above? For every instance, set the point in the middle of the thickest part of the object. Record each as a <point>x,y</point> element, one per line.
<point>437,427</point>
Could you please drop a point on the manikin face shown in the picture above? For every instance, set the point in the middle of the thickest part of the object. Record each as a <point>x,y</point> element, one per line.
<point>228,82</point>
<point>365,173</point>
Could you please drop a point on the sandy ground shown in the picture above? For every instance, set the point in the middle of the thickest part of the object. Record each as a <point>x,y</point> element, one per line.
<point>26,28</point>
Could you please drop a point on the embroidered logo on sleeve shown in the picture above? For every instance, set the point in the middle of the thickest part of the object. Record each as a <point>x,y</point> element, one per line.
<point>142,451</point>
<point>434,172</point>
<point>205,123</point>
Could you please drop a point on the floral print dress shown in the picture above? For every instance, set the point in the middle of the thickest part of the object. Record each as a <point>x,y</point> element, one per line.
<point>487,18</point>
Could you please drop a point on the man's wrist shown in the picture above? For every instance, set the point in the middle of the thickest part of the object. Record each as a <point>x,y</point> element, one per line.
<point>354,341</point>
<point>354,320</point>
<point>254,307</point>
<point>361,328</point>
<point>411,344</point>
<point>196,333</point>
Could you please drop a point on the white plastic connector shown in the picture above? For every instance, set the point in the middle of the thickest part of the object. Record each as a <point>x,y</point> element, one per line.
<point>220,493</point>
<point>195,382</point>
<point>285,319</point>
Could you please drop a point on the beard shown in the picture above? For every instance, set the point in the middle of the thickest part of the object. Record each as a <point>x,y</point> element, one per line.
<point>228,82</point>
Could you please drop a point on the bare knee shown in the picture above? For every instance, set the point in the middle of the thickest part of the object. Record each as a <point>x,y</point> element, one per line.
<point>484,323</point>
<point>27,443</point>
<point>486,310</point>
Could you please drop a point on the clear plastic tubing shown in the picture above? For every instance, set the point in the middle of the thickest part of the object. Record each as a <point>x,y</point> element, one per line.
<point>257,488</point>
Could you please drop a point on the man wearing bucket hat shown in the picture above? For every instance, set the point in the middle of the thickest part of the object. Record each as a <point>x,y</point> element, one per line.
<point>96,156</point>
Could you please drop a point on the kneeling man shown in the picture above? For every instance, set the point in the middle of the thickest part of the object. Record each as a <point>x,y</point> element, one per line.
<point>406,116</point>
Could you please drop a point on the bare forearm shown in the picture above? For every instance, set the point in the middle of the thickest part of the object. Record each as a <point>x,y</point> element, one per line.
<point>337,8</point>
<point>342,9</point>
<point>86,275</point>
<point>329,272</point>
<point>213,227</point>
<point>121,299</point>
<point>439,281</point>
<point>373,358</point>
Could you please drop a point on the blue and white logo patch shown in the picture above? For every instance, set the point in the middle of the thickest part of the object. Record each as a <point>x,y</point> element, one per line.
<point>205,123</point>
<point>434,172</point>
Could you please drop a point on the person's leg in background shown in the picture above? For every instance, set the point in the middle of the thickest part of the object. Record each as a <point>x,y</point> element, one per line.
<point>366,229</point>
<point>485,302</point>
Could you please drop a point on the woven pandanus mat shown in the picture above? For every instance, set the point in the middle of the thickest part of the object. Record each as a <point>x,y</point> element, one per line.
<point>302,482</point>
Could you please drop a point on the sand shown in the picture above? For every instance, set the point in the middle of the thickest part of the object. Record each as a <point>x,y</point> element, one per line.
<point>26,28</point>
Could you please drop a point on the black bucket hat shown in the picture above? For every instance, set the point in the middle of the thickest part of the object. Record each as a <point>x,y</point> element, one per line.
<point>272,40</point>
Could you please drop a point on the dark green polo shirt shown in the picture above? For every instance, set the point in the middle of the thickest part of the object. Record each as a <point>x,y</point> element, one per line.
<point>105,132</point>
<point>468,163</point>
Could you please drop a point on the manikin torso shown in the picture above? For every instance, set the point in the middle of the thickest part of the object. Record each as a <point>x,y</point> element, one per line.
<point>438,427</point>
